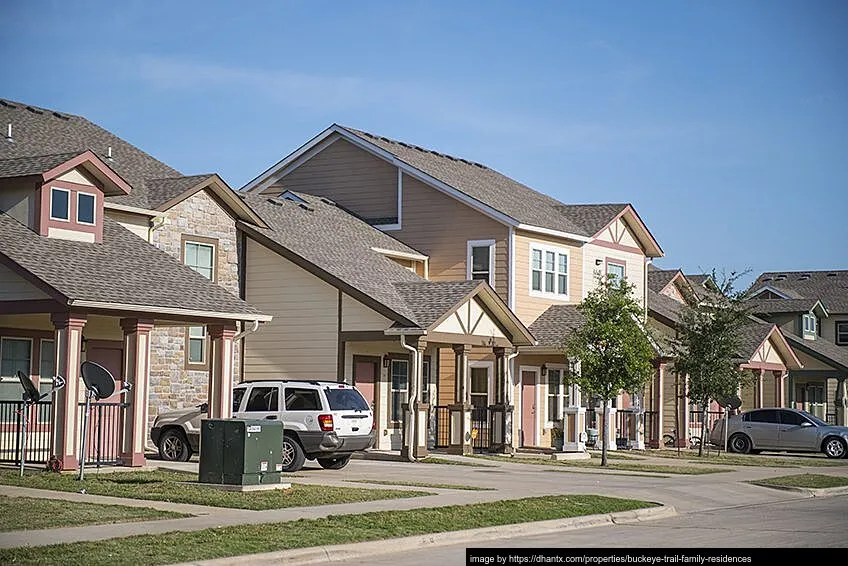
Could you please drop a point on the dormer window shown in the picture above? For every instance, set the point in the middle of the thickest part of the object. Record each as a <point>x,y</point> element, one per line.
<point>60,204</point>
<point>85,208</point>
<point>810,325</point>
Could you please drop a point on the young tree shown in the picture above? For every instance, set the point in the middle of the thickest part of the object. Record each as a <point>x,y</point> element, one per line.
<point>707,348</point>
<point>612,346</point>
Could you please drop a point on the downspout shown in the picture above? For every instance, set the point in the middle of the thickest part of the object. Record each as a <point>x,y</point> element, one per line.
<point>413,400</point>
<point>508,390</point>
<point>236,338</point>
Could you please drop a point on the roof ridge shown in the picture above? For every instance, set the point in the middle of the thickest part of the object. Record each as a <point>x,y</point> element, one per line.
<point>26,106</point>
<point>418,148</point>
<point>78,152</point>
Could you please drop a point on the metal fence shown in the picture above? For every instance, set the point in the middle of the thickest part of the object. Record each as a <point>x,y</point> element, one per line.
<point>442,424</point>
<point>696,433</point>
<point>480,428</point>
<point>652,428</point>
<point>103,446</point>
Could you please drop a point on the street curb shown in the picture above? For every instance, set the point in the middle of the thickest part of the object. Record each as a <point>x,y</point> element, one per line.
<point>809,491</point>
<point>359,550</point>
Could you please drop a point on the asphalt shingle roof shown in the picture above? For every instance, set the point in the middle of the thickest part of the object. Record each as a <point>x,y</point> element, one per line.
<point>338,243</point>
<point>498,191</point>
<point>41,132</point>
<point>554,325</point>
<point>664,306</point>
<point>33,165</point>
<point>659,278</point>
<point>831,286</point>
<point>751,335</point>
<point>823,348</point>
<point>428,301</point>
<point>122,269</point>
<point>780,306</point>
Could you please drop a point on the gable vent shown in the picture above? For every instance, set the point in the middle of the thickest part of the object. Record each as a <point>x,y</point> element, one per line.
<point>804,277</point>
<point>832,274</point>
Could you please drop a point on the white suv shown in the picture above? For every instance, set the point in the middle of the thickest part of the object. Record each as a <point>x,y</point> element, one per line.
<point>322,420</point>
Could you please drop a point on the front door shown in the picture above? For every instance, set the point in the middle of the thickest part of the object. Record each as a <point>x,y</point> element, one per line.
<point>528,408</point>
<point>364,376</point>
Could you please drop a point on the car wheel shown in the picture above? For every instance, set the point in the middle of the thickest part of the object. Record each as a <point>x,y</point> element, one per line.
<point>740,443</point>
<point>334,463</point>
<point>293,457</point>
<point>834,448</point>
<point>174,447</point>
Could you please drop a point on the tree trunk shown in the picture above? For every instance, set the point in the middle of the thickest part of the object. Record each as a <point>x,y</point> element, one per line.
<point>604,434</point>
<point>705,407</point>
<point>677,396</point>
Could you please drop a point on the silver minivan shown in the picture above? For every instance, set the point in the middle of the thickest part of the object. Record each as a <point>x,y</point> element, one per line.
<point>781,429</point>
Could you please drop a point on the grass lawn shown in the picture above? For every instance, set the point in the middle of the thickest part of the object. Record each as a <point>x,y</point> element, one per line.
<point>30,513</point>
<point>182,487</point>
<point>715,457</point>
<point>615,464</point>
<point>816,481</point>
<point>425,484</point>
<point>175,547</point>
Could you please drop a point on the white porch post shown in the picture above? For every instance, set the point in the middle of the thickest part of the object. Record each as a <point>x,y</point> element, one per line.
<point>460,411</point>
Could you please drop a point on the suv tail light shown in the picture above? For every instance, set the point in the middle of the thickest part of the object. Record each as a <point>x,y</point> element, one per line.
<point>325,422</point>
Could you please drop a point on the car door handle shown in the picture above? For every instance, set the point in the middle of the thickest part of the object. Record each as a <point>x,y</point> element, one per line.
<point>271,417</point>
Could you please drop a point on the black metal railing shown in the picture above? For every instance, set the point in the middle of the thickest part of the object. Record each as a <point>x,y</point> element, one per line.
<point>38,432</point>
<point>652,428</point>
<point>442,426</point>
<point>480,428</point>
<point>695,430</point>
<point>103,445</point>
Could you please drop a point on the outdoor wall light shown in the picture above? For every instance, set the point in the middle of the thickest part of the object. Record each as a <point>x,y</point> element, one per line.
<point>386,361</point>
<point>544,370</point>
<point>598,261</point>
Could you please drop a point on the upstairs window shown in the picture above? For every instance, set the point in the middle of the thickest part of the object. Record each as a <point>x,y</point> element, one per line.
<point>616,269</point>
<point>842,333</point>
<point>60,204</point>
<point>200,257</point>
<point>548,271</point>
<point>810,325</point>
<point>481,260</point>
<point>85,208</point>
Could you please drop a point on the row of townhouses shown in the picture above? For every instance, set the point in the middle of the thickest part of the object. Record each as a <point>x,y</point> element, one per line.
<point>355,258</point>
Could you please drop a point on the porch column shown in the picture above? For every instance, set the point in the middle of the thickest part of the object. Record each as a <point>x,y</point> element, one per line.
<point>220,395</point>
<point>657,421</point>
<point>417,410</point>
<point>779,401</point>
<point>460,411</point>
<point>758,390</point>
<point>501,410</point>
<point>137,374</point>
<point>841,401</point>
<point>65,412</point>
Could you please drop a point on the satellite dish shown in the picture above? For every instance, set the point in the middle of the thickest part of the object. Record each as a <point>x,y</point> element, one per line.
<point>98,380</point>
<point>31,393</point>
<point>732,402</point>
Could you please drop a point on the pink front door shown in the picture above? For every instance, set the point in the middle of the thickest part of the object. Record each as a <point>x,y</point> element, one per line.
<point>364,374</point>
<point>528,408</point>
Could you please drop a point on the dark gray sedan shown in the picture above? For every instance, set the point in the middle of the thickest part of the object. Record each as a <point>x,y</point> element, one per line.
<point>789,430</point>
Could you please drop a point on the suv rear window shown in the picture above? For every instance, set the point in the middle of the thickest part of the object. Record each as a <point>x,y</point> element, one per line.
<point>346,400</point>
<point>302,399</point>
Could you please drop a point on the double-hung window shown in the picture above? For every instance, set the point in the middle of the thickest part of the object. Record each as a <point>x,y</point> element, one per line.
<point>481,260</point>
<point>616,270</point>
<point>400,388</point>
<point>548,271</point>
<point>199,256</point>
<point>557,395</point>
<point>85,208</point>
<point>15,355</point>
<point>842,333</point>
<point>810,324</point>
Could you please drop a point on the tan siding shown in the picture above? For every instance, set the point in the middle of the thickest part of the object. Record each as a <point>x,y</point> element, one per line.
<point>19,199</point>
<point>527,307</point>
<point>356,316</point>
<point>634,268</point>
<point>135,223</point>
<point>440,226</point>
<point>353,178</point>
<point>302,339</point>
<point>15,288</point>
<point>786,322</point>
<point>77,175</point>
<point>673,292</point>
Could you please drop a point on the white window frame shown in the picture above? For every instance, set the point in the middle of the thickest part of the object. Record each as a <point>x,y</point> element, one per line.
<point>50,204</point>
<point>618,263</point>
<point>392,390</point>
<point>490,370</point>
<point>14,378</point>
<point>187,241</point>
<point>809,321</point>
<point>557,251</point>
<point>202,348</point>
<point>844,324</point>
<point>93,211</point>
<point>564,392</point>
<point>468,258</point>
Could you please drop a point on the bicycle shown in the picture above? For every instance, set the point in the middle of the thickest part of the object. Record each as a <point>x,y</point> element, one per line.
<point>670,440</point>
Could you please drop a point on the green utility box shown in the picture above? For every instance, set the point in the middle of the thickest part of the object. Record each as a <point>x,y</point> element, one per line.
<point>240,452</point>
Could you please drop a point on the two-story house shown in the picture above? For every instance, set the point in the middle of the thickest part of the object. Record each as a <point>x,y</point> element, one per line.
<point>811,308</point>
<point>79,280</point>
<point>473,223</point>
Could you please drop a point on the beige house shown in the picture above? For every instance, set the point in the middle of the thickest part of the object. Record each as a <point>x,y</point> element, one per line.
<point>470,222</point>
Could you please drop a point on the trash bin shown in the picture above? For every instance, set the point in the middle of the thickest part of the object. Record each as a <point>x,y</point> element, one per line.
<point>240,452</point>
<point>591,437</point>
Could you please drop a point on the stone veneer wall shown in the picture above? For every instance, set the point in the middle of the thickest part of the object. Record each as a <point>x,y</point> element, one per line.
<point>171,385</point>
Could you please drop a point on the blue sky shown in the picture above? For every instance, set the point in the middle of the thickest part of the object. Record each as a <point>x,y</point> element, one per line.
<point>724,123</point>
